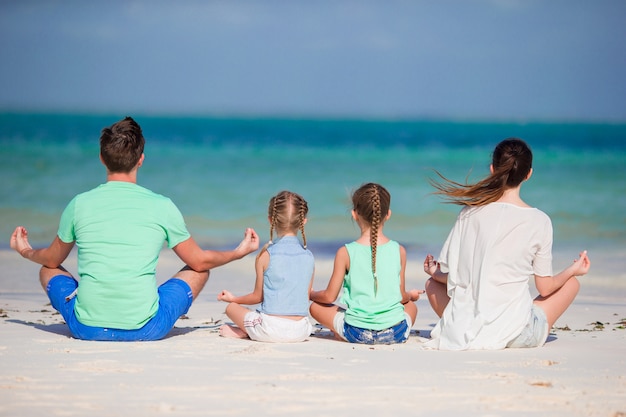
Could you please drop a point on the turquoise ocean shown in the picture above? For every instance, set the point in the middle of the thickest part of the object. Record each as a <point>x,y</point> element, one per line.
<point>221,172</point>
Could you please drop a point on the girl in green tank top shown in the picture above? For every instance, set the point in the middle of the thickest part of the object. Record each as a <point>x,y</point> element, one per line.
<point>371,272</point>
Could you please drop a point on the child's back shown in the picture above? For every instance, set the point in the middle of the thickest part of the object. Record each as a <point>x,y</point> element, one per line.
<point>371,272</point>
<point>284,274</point>
<point>287,279</point>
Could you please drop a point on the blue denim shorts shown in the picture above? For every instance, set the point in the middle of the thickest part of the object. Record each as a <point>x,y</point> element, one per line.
<point>535,333</point>
<point>175,298</point>
<point>398,333</point>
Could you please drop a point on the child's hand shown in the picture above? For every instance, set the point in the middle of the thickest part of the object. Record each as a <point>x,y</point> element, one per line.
<point>414,295</point>
<point>225,296</point>
<point>430,265</point>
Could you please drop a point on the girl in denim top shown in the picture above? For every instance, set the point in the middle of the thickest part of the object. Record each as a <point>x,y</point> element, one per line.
<point>371,271</point>
<point>284,275</point>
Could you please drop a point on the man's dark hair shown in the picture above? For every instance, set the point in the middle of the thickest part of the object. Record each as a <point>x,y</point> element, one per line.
<point>121,145</point>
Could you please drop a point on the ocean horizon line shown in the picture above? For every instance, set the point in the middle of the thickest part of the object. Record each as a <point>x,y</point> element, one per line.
<point>313,117</point>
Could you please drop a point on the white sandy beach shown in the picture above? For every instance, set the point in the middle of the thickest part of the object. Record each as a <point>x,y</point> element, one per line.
<point>581,371</point>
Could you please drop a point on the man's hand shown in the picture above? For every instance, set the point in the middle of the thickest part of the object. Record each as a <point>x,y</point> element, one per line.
<point>249,244</point>
<point>19,240</point>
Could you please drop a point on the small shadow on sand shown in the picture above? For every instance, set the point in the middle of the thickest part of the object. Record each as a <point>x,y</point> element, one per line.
<point>421,333</point>
<point>56,328</point>
<point>426,334</point>
<point>179,331</point>
<point>62,329</point>
<point>213,327</point>
<point>321,332</point>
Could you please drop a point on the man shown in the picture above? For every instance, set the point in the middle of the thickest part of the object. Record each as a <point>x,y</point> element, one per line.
<point>119,229</point>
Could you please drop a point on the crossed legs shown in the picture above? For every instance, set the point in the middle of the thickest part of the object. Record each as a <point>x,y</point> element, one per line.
<point>553,305</point>
<point>196,280</point>
<point>237,314</point>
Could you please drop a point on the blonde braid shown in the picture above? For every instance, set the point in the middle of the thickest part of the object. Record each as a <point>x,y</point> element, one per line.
<point>376,215</point>
<point>303,209</point>
<point>272,216</point>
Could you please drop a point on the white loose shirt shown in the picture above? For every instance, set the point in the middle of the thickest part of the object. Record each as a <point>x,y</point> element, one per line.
<point>490,255</point>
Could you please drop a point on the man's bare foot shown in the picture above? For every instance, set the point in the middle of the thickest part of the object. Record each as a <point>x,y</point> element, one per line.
<point>232,331</point>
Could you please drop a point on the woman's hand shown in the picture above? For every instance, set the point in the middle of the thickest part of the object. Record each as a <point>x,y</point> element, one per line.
<point>581,265</point>
<point>430,265</point>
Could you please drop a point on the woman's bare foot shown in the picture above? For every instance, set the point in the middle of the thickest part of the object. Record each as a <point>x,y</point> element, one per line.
<point>232,331</point>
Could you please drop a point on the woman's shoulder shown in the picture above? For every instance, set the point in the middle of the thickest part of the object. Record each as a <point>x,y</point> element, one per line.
<point>542,216</point>
<point>523,212</point>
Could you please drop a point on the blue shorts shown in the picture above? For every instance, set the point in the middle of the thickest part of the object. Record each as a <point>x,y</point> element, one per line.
<point>175,298</point>
<point>535,333</point>
<point>398,333</point>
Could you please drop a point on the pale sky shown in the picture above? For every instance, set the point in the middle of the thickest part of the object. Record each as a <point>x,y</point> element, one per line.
<point>477,59</point>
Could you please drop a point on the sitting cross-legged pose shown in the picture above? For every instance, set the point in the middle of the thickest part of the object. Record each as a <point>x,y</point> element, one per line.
<point>371,272</point>
<point>119,228</point>
<point>284,274</point>
<point>479,285</point>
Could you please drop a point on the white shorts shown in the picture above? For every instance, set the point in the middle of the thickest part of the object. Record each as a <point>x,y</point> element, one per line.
<point>267,328</point>
<point>535,333</point>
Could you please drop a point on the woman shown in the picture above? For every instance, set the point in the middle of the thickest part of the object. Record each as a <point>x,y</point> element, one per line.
<point>479,286</point>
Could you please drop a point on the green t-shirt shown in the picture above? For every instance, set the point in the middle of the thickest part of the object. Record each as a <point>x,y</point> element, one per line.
<point>365,307</point>
<point>119,229</point>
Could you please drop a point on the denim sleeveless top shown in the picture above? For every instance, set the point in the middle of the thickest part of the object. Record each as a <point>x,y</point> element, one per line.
<point>287,278</point>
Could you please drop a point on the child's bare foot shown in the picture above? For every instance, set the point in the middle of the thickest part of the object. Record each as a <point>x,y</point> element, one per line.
<point>231,331</point>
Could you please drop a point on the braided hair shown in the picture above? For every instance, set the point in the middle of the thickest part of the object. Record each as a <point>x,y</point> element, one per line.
<point>371,202</point>
<point>287,212</point>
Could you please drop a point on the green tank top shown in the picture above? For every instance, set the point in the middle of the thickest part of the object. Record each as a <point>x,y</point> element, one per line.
<point>367,307</point>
